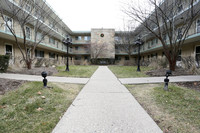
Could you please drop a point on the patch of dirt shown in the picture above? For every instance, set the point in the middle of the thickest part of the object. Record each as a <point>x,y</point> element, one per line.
<point>34,71</point>
<point>162,72</point>
<point>190,85</point>
<point>8,84</point>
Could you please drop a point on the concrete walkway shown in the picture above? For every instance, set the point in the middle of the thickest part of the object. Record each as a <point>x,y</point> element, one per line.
<point>148,80</point>
<point>40,78</point>
<point>105,106</point>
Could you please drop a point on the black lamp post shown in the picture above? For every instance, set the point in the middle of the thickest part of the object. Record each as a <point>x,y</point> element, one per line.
<point>139,42</point>
<point>67,42</point>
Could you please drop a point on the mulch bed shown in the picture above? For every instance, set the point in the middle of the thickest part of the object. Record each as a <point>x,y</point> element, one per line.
<point>34,71</point>
<point>190,85</point>
<point>8,84</point>
<point>162,72</point>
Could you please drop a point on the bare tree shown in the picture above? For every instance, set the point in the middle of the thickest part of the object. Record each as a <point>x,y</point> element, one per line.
<point>27,14</point>
<point>97,50</point>
<point>125,40</point>
<point>168,21</point>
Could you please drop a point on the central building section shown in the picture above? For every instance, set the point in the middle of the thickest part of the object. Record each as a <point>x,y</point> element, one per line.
<point>102,44</point>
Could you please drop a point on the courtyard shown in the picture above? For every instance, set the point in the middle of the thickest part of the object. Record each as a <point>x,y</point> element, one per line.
<point>100,102</point>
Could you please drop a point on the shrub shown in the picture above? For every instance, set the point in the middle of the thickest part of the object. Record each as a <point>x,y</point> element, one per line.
<point>4,62</point>
<point>102,61</point>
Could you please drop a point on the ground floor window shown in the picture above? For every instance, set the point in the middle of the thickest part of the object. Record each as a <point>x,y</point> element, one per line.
<point>52,55</point>
<point>9,50</point>
<point>179,56</point>
<point>117,58</point>
<point>197,56</point>
<point>77,57</point>
<point>126,58</point>
<point>39,53</point>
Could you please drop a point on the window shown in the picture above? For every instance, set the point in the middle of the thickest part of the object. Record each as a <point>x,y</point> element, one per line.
<point>40,36</point>
<point>28,32</point>
<point>197,56</point>
<point>117,58</point>
<point>8,50</point>
<point>198,26</point>
<point>57,44</point>
<point>39,53</point>
<point>8,23</point>
<point>87,38</point>
<point>179,34</point>
<point>52,55</point>
<point>76,48</point>
<point>77,57</point>
<point>28,7</point>
<point>179,56</point>
<point>51,40</point>
<point>38,14</point>
<point>78,38</point>
<point>126,58</point>
<point>163,54</point>
<point>51,24</point>
<point>180,8</point>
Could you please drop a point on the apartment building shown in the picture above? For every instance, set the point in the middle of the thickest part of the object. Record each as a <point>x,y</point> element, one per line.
<point>85,44</point>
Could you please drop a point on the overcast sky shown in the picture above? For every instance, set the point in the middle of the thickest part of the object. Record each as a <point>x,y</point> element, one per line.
<point>82,15</point>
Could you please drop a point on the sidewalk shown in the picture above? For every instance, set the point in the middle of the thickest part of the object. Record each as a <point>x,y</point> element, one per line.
<point>105,106</point>
<point>40,78</point>
<point>151,80</point>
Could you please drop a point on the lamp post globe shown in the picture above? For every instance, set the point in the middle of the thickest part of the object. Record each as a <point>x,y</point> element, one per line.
<point>139,42</point>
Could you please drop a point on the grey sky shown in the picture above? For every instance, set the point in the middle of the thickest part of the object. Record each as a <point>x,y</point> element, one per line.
<point>82,15</point>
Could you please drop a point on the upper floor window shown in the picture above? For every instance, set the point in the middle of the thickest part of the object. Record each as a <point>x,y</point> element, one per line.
<point>51,40</point>
<point>39,36</point>
<point>87,38</point>
<point>179,6</point>
<point>8,23</point>
<point>28,32</point>
<point>78,38</point>
<point>76,48</point>
<point>38,14</point>
<point>198,26</point>
<point>179,34</point>
<point>28,7</point>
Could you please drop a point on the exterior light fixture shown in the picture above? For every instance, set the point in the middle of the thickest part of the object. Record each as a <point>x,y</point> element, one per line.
<point>44,75</point>
<point>139,42</point>
<point>67,41</point>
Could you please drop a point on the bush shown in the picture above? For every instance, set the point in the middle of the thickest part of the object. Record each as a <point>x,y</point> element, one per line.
<point>102,61</point>
<point>158,63</point>
<point>4,62</point>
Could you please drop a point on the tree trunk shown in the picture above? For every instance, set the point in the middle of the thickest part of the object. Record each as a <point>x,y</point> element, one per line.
<point>28,64</point>
<point>172,65</point>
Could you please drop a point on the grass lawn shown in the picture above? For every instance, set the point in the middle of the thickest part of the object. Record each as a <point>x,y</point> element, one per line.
<point>26,110</point>
<point>175,111</point>
<point>76,71</point>
<point>129,71</point>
